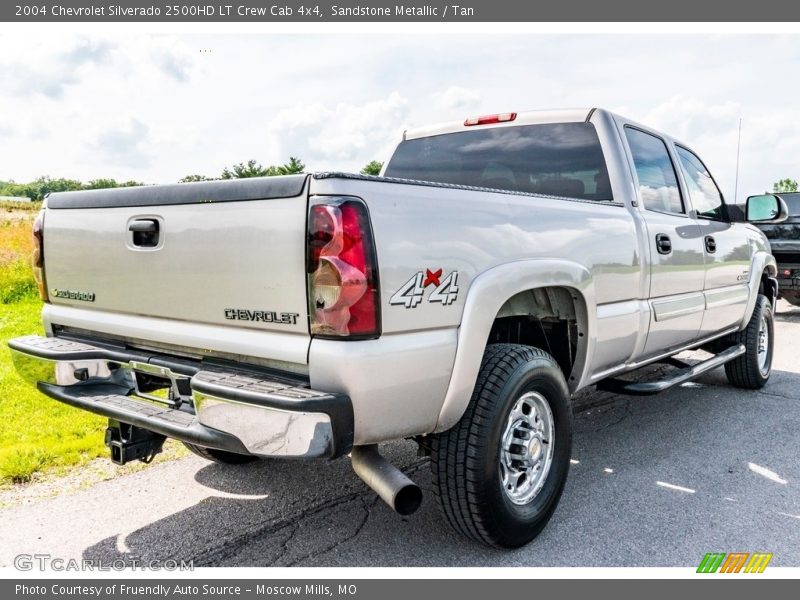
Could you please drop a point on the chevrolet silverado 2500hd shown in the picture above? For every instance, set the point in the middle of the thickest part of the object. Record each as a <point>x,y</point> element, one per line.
<point>498,265</point>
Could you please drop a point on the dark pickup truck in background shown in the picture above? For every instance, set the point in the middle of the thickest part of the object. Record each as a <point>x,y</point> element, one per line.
<point>785,241</point>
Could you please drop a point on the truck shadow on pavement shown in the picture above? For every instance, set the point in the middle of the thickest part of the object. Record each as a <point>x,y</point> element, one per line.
<point>787,313</point>
<point>269,513</point>
<point>656,481</point>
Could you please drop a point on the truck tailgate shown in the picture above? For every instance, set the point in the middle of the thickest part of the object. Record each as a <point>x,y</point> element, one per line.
<point>225,253</point>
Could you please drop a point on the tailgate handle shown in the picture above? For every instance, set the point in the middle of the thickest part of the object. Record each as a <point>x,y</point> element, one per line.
<point>145,232</point>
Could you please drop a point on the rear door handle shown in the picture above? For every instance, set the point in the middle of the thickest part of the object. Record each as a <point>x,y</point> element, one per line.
<point>711,244</point>
<point>663,243</point>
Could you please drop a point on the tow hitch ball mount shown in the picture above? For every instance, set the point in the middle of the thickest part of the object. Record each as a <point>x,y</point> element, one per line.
<point>128,443</point>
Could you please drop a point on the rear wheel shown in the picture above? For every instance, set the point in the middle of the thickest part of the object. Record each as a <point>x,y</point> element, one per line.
<point>221,456</point>
<point>499,472</point>
<point>751,370</point>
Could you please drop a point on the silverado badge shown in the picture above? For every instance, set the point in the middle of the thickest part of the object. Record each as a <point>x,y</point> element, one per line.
<point>72,295</point>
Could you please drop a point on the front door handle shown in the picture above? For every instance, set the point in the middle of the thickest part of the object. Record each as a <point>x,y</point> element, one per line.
<point>711,244</point>
<point>663,243</point>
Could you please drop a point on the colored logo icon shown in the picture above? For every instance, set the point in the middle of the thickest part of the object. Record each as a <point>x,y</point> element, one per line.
<point>735,562</point>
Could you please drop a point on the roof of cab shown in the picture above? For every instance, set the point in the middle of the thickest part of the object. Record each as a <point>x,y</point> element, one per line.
<point>531,117</point>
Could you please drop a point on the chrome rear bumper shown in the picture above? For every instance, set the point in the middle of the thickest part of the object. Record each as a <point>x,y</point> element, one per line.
<point>224,407</point>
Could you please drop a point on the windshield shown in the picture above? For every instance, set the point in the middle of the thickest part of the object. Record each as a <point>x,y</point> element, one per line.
<point>554,159</point>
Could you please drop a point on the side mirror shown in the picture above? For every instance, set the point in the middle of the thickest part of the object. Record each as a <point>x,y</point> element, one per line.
<point>766,208</point>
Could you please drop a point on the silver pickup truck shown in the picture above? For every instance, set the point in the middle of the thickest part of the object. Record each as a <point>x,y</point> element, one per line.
<point>497,266</point>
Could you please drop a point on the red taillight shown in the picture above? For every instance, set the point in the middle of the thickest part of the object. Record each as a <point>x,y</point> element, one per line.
<point>489,119</point>
<point>38,255</point>
<point>342,274</point>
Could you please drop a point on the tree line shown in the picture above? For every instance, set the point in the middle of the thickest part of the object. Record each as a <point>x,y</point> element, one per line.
<point>785,186</point>
<point>39,188</point>
<point>253,168</point>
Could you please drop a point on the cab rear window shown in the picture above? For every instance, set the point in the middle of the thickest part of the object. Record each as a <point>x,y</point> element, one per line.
<point>792,203</point>
<point>554,159</point>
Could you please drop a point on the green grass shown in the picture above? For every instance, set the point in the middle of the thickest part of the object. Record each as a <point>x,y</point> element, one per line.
<point>16,246</point>
<point>16,282</point>
<point>37,433</point>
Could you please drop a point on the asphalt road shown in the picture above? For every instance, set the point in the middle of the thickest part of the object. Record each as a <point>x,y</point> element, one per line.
<point>657,482</point>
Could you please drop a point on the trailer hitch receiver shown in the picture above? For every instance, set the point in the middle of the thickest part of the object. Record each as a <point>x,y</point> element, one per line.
<point>128,443</point>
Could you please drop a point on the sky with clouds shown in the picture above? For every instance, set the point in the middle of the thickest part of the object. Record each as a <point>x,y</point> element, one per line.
<point>158,107</point>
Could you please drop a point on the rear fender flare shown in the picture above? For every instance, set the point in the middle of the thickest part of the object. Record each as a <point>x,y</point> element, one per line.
<point>762,262</point>
<point>486,295</point>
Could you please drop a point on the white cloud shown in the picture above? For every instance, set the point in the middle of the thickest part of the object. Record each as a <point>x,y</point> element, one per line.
<point>684,116</point>
<point>327,134</point>
<point>124,147</point>
<point>154,108</point>
<point>457,97</point>
<point>49,73</point>
<point>85,106</point>
<point>770,140</point>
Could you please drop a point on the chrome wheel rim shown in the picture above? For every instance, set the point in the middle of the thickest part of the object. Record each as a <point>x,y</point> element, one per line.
<point>526,452</point>
<point>763,345</point>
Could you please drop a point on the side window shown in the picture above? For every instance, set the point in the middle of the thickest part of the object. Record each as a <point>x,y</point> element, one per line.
<point>658,184</point>
<point>705,195</point>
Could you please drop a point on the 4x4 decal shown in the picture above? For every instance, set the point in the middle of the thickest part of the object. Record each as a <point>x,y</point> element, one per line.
<point>412,292</point>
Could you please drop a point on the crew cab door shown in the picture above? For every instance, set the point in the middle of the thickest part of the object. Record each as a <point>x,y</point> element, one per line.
<point>726,246</point>
<point>677,267</point>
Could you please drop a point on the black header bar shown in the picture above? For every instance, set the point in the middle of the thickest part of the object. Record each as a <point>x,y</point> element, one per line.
<point>374,11</point>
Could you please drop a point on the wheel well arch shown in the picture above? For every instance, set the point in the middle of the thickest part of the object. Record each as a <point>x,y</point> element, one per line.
<point>762,280</point>
<point>489,294</point>
<point>551,318</point>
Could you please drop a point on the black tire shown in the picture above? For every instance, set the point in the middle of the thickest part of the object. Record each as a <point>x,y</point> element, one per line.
<point>746,371</point>
<point>793,300</point>
<point>221,456</point>
<point>465,460</point>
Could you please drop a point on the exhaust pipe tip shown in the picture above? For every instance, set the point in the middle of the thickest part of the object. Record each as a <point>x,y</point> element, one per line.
<point>408,500</point>
<point>390,483</point>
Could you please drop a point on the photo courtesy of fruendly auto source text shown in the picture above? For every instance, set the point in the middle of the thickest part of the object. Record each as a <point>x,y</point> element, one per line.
<point>367,299</point>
